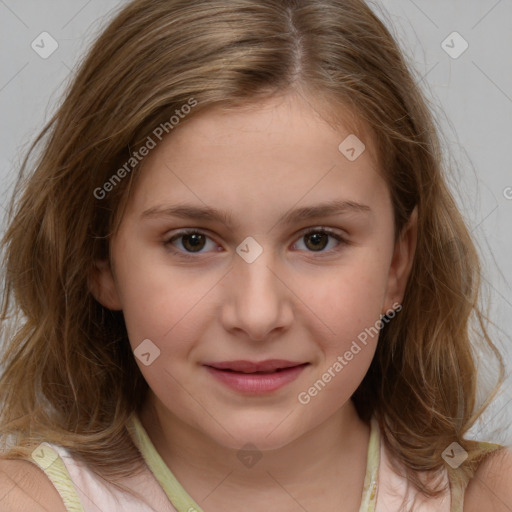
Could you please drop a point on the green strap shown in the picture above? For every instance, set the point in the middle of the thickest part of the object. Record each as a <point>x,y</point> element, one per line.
<point>53,466</point>
<point>369,498</point>
<point>456,496</point>
<point>181,500</point>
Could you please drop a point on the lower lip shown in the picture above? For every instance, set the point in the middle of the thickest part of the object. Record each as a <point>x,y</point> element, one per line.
<point>257,383</point>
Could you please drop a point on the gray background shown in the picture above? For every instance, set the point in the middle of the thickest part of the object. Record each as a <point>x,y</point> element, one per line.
<point>471,96</point>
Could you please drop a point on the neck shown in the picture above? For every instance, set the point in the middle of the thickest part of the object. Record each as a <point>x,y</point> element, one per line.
<point>325,467</point>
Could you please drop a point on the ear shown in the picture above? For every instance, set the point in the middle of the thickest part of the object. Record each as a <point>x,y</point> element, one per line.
<point>401,264</point>
<point>103,286</point>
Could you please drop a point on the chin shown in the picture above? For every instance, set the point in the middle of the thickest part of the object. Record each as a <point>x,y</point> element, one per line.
<point>265,434</point>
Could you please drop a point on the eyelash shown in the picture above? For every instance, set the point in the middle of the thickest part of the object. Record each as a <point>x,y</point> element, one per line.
<point>189,255</point>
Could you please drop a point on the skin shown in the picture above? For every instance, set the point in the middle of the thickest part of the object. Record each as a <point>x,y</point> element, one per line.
<point>293,302</point>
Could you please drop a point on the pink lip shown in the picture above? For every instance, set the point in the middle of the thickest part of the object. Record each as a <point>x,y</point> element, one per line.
<point>241,376</point>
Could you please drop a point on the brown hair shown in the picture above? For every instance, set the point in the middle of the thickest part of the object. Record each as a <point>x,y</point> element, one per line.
<point>69,375</point>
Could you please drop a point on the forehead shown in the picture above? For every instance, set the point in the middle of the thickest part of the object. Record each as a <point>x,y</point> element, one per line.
<point>283,122</point>
<point>275,152</point>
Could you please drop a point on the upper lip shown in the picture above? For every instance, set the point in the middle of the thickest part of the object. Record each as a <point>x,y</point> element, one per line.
<point>254,366</point>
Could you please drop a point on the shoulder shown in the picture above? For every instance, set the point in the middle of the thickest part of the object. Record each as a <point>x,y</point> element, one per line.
<point>24,486</point>
<point>491,487</point>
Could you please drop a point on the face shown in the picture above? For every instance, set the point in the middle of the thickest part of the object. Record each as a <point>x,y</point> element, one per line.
<point>271,277</point>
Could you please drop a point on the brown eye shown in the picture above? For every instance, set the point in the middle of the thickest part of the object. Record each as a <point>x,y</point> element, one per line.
<point>189,242</point>
<point>193,243</point>
<point>316,241</point>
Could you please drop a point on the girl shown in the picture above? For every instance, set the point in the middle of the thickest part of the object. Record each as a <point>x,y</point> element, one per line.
<point>239,279</point>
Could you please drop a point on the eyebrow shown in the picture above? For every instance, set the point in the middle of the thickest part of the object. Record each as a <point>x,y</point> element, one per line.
<point>208,213</point>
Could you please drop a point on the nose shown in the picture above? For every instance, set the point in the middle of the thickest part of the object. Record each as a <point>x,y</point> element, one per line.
<point>257,300</point>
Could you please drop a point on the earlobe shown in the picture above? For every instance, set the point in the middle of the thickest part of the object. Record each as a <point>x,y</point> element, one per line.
<point>403,258</point>
<point>103,287</point>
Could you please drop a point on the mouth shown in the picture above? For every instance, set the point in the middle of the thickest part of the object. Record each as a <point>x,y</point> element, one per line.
<point>261,367</point>
<point>254,378</point>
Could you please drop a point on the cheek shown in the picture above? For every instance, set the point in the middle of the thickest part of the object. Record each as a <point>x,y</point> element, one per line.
<point>159,300</point>
<point>350,299</point>
<point>352,315</point>
<point>165,307</point>
<point>349,303</point>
